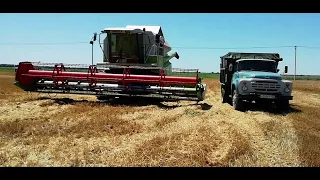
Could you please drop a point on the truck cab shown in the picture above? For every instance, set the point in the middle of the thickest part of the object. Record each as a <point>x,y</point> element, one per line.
<point>253,77</point>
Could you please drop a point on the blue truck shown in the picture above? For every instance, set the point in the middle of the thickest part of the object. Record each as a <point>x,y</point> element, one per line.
<point>253,77</point>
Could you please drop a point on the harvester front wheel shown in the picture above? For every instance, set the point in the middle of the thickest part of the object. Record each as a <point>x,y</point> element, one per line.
<point>103,98</point>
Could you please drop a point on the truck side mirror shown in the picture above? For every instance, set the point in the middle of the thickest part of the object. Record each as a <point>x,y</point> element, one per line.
<point>230,67</point>
<point>286,69</point>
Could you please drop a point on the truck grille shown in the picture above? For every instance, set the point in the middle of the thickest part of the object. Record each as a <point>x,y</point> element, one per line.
<point>265,86</point>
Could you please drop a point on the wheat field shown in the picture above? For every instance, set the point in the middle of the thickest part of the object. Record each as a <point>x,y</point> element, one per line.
<point>71,130</point>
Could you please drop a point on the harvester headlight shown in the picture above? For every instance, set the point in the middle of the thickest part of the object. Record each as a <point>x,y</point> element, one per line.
<point>244,88</point>
<point>286,90</point>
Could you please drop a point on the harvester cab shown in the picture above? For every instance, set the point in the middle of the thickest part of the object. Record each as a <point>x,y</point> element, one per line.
<point>135,63</point>
<point>143,46</point>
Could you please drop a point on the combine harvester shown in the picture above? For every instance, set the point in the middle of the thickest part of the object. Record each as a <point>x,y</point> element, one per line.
<point>135,63</point>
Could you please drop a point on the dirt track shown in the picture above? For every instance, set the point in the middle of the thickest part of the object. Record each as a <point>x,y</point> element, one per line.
<point>39,130</point>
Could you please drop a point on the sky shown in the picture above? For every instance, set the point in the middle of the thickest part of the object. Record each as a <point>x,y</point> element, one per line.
<point>199,39</point>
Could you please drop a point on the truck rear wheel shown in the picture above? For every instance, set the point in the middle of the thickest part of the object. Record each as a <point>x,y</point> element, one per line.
<point>282,104</point>
<point>224,96</point>
<point>236,102</point>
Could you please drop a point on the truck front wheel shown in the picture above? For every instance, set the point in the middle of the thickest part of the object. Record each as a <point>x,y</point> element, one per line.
<point>236,102</point>
<point>282,104</point>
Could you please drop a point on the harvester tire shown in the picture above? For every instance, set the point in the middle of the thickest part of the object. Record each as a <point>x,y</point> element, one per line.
<point>237,103</point>
<point>103,98</point>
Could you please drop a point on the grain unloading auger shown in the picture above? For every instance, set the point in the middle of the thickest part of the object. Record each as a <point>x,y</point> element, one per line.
<point>136,63</point>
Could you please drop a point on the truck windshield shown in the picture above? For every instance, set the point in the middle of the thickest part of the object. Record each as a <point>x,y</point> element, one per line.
<point>257,65</point>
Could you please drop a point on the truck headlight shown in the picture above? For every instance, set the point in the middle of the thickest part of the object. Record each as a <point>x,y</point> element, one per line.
<point>286,90</point>
<point>244,88</point>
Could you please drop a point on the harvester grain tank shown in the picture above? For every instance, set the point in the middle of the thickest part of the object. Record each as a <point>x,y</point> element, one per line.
<point>250,77</point>
<point>136,62</point>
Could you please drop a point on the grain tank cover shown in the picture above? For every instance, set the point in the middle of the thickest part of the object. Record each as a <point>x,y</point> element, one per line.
<point>154,29</point>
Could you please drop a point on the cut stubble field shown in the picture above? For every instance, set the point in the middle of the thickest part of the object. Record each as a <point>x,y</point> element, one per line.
<point>71,130</point>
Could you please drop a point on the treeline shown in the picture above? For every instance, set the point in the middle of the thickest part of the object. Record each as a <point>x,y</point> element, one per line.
<point>7,65</point>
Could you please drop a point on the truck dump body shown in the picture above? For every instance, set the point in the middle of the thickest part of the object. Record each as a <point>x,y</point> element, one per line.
<point>245,55</point>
